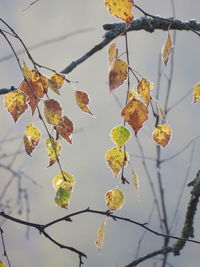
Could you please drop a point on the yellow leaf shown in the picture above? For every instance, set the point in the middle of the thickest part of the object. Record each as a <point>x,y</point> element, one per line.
<point>16,104</point>
<point>55,82</point>
<point>62,197</point>
<point>100,236</point>
<point>31,138</point>
<point>121,9</point>
<point>2,264</point>
<point>116,159</point>
<point>27,73</point>
<point>114,199</point>
<point>135,113</point>
<point>166,49</point>
<point>144,88</point>
<point>196,93</point>
<point>65,129</point>
<point>117,73</point>
<point>133,95</point>
<point>120,135</point>
<point>65,179</point>
<point>162,134</point>
<point>112,52</point>
<point>39,84</point>
<point>53,148</point>
<point>52,112</point>
<point>82,100</point>
<point>136,182</point>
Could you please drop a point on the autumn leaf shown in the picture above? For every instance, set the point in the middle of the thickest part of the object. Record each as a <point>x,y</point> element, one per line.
<point>112,52</point>
<point>62,197</point>
<point>133,95</point>
<point>136,182</point>
<point>121,9</point>
<point>39,84</point>
<point>161,111</point>
<point>31,138</point>
<point>120,135</point>
<point>162,134</point>
<point>196,93</point>
<point>114,199</point>
<point>52,112</point>
<point>82,100</point>
<point>117,73</point>
<point>65,129</point>
<point>15,103</point>
<point>135,113</point>
<point>100,236</point>
<point>55,82</point>
<point>53,148</point>
<point>2,264</point>
<point>116,159</point>
<point>166,49</point>
<point>26,71</point>
<point>144,88</point>
<point>65,179</point>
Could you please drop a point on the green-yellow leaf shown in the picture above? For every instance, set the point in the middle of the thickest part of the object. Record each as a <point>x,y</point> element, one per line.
<point>53,147</point>
<point>65,179</point>
<point>2,264</point>
<point>31,138</point>
<point>62,198</point>
<point>136,182</point>
<point>120,135</point>
<point>116,159</point>
<point>100,236</point>
<point>114,199</point>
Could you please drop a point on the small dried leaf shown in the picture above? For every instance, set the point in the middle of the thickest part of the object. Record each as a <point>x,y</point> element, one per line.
<point>135,113</point>
<point>31,138</point>
<point>65,179</point>
<point>162,134</point>
<point>66,129</point>
<point>100,236</point>
<point>161,111</point>
<point>133,95</point>
<point>196,93</point>
<point>136,182</point>
<point>55,82</point>
<point>166,49</point>
<point>120,135</point>
<point>114,199</point>
<point>121,9</point>
<point>53,148</point>
<point>52,112</point>
<point>117,73</point>
<point>82,100</point>
<point>144,88</point>
<point>16,104</point>
<point>116,159</point>
<point>112,52</point>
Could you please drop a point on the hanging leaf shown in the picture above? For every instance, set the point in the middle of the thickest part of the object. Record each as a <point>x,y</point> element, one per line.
<point>144,88</point>
<point>166,49</point>
<point>117,73</point>
<point>161,111</point>
<point>2,264</point>
<point>53,148</point>
<point>116,159</point>
<point>31,138</point>
<point>39,84</point>
<point>82,100</point>
<point>52,112</point>
<point>121,9</point>
<point>15,103</point>
<point>136,182</point>
<point>120,135</point>
<point>135,113</point>
<point>65,129</point>
<point>100,236</point>
<point>62,197</point>
<point>114,199</point>
<point>27,73</point>
<point>112,52</point>
<point>64,178</point>
<point>56,81</point>
<point>133,95</point>
<point>162,134</point>
<point>196,93</point>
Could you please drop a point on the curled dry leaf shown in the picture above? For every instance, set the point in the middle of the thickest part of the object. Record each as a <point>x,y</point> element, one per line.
<point>31,138</point>
<point>52,112</point>
<point>112,52</point>
<point>114,199</point>
<point>116,159</point>
<point>196,93</point>
<point>100,236</point>
<point>144,89</point>
<point>121,9</point>
<point>135,113</point>
<point>166,49</point>
<point>162,134</point>
<point>117,73</point>
<point>82,100</point>
<point>15,103</point>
